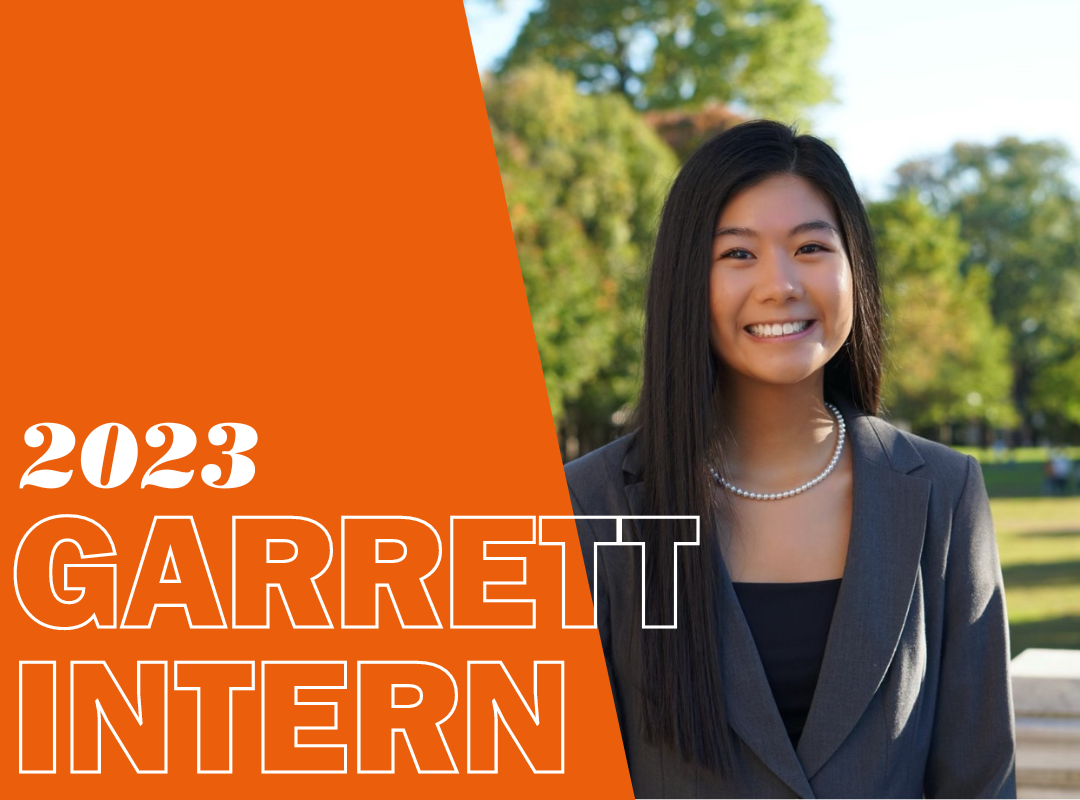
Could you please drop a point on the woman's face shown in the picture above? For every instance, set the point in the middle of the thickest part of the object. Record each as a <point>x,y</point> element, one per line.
<point>780,293</point>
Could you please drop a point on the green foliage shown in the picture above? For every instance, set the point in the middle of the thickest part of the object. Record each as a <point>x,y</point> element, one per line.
<point>946,360</point>
<point>1022,219</point>
<point>584,179</point>
<point>1056,389</point>
<point>762,54</point>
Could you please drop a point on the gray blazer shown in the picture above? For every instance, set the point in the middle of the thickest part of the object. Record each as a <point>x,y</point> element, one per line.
<point>913,698</point>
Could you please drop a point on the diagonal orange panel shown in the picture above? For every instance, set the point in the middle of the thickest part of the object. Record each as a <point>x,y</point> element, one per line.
<point>224,221</point>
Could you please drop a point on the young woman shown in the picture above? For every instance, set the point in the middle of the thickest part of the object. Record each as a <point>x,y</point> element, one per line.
<point>840,626</point>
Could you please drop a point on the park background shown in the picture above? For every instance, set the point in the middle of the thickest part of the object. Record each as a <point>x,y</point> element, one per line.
<point>960,123</point>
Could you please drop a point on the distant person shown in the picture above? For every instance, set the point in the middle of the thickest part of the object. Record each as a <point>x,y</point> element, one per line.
<point>841,626</point>
<point>999,450</point>
<point>1060,468</point>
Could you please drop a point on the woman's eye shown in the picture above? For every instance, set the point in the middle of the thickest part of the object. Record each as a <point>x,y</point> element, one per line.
<point>813,247</point>
<point>737,253</point>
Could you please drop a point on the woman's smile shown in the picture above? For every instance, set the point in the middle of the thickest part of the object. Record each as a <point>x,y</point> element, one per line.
<point>779,331</point>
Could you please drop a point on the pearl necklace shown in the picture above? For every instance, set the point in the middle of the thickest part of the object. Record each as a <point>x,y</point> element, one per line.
<point>808,485</point>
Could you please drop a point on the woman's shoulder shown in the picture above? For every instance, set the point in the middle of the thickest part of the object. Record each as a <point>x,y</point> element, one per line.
<point>933,453</point>
<point>597,479</point>
<point>947,468</point>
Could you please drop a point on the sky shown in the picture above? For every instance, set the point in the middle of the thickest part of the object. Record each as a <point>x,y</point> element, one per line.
<point>912,78</point>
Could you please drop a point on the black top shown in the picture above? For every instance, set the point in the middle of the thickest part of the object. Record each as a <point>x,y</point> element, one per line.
<point>790,623</point>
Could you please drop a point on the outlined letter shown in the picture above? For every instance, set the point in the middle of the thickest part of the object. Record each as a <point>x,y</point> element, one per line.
<point>93,585</point>
<point>37,717</point>
<point>395,554</point>
<point>473,604</point>
<point>413,698</point>
<point>140,730</point>
<point>622,540</point>
<point>539,729</point>
<point>214,709</point>
<point>578,609</point>
<point>176,553</point>
<point>282,684</point>
<point>285,553</point>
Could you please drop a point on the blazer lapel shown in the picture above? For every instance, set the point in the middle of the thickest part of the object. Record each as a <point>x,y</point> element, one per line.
<point>749,704</point>
<point>888,525</point>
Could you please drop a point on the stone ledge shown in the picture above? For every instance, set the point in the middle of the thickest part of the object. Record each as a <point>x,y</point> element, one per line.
<point>1046,683</point>
<point>1046,696</point>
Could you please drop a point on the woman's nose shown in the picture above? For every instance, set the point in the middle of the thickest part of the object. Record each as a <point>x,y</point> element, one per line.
<point>778,279</point>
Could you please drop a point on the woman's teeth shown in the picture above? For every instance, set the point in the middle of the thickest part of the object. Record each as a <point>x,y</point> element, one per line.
<point>778,329</point>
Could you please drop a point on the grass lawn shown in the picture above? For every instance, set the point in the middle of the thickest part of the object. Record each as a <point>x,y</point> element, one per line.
<point>1039,543</point>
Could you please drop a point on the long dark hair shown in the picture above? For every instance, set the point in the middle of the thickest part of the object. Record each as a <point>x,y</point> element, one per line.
<point>678,419</point>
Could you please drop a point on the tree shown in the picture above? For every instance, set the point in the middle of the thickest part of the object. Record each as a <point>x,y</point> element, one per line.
<point>761,54</point>
<point>946,359</point>
<point>1021,217</point>
<point>584,178</point>
<point>1055,389</point>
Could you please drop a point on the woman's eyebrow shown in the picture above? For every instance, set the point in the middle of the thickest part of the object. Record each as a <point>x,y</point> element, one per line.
<point>752,234</point>
<point>815,225</point>
<point>802,227</point>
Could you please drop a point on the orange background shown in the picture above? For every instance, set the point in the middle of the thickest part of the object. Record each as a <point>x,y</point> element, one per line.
<point>288,216</point>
